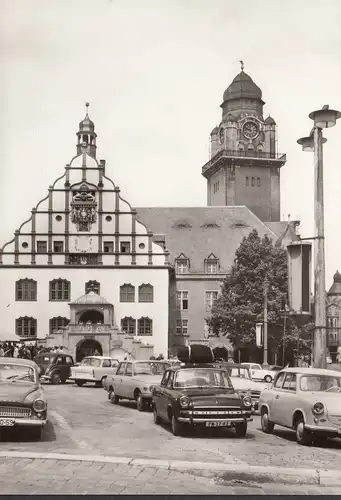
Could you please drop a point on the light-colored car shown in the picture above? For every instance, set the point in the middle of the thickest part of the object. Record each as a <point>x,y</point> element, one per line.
<point>260,373</point>
<point>243,383</point>
<point>93,369</point>
<point>307,400</point>
<point>22,399</point>
<point>134,380</point>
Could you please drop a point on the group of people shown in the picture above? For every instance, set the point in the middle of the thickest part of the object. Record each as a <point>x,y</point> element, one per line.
<point>20,350</point>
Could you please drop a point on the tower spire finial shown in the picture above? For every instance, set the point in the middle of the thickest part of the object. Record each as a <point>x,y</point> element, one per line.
<point>242,65</point>
<point>87,104</point>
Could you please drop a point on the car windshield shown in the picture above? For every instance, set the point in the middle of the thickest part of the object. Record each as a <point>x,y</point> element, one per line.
<point>202,377</point>
<point>17,373</point>
<point>320,383</point>
<point>239,372</point>
<point>150,368</point>
<point>91,362</point>
<point>45,360</point>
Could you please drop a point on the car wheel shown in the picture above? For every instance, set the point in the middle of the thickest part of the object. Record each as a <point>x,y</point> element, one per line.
<point>55,378</point>
<point>303,436</point>
<point>267,425</point>
<point>268,378</point>
<point>176,426</point>
<point>241,429</point>
<point>103,380</point>
<point>140,402</point>
<point>113,398</point>
<point>80,382</point>
<point>156,416</point>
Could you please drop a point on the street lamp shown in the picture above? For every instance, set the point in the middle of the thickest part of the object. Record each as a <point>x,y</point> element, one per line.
<point>265,340</point>
<point>323,118</point>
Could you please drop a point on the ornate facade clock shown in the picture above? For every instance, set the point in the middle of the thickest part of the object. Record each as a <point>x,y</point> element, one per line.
<point>250,129</point>
<point>221,136</point>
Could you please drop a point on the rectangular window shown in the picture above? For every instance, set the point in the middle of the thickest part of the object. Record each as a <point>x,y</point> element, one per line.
<point>58,246</point>
<point>182,266</point>
<point>182,326</point>
<point>246,181</point>
<point>252,181</point>
<point>258,181</point>
<point>182,300</point>
<point>125,247</point>
<point>210,297</point>
<point>212,267</point>
<point>41,246</point>
<point>108,247</point>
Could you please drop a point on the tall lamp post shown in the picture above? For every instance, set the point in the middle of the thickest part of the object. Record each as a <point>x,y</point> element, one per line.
<point>323,118</point>
<point>265,340</point>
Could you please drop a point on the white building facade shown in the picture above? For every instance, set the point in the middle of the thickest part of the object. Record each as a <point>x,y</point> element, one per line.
<point>83,270</point>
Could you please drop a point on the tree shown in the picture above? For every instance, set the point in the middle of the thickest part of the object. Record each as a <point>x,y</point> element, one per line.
<point>241,302</point>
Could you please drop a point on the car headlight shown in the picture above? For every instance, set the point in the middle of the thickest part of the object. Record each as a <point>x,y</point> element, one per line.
<point>247,401</point>
<point>318,408</point>
<point>39,405</point>
<point>184,401</point>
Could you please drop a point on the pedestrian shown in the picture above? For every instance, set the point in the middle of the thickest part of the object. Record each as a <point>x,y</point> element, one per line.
<point>2,351</point>
<point>16,352</point>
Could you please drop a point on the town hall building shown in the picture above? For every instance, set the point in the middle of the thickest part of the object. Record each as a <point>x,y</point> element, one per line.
<point>87,271</point>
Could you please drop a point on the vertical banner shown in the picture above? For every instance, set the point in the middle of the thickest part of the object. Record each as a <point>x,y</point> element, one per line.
<point>259,334</point>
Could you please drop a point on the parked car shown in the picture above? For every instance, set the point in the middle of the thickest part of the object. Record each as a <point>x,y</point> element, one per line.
<point>260,373</point>
<point>54,367</point>
<point>22,399</point>
<point>243,383</point>
<point>200,395</point>
<point>93,369</point>
<point>307,400</point>
<point>134,380</point>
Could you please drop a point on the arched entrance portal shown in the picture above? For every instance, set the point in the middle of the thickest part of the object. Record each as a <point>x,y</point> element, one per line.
<point>221,352</point>
<point>91,315</point>
<point>88,347</point>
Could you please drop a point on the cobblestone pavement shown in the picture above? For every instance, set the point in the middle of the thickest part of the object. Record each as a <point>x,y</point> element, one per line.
<point>83,421</point>
<point>25,476</point>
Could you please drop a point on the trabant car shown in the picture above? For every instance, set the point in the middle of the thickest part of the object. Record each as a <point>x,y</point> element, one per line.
<point>54,367</point>
<point>200,395</point>
<point>134,380</point>
<point>243,383</point>
<point>260,373</point>
<point>307,400</point>
<point>93,369</point>
<point>22,399</point>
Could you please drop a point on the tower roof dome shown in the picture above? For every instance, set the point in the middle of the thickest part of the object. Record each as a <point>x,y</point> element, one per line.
<point>270,121</point>
<point>241,87</point>
<point>335,289</point>
<point>86,125</point>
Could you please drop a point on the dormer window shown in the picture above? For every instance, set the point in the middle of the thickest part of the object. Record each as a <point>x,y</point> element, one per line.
<point>211,264</point>
<point>182,266</point>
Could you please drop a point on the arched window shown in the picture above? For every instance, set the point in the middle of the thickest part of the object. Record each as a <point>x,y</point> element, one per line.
<point>128,325</point>
<point>57,323</point>
<point>26,327</point>
<point>60,290</point>
<point>145,327</point>
<point>146,293</point>
<point>26,289</point>
<point>93,286</point>
<point>127,293</point>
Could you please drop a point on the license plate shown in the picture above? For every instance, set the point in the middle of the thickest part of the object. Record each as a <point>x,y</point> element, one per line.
<point>7,422</point>
<point>218,424</point>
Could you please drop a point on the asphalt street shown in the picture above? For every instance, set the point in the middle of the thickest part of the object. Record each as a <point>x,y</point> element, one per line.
<point>82,421</point>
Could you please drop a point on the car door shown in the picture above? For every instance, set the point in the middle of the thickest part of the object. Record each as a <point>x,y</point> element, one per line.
<point>67,367</point>
<point>118,377</point>
<point>278,399</point>
<point>126,381</point>
<point>167,395</point>
<point>158,392</point>
<point>288,399</point>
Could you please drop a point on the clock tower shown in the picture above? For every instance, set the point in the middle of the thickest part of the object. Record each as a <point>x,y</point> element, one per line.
<point>244,166</point>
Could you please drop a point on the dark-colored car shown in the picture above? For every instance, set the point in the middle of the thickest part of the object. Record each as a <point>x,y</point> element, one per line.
<point>200,395</point>
<point>54,367</point>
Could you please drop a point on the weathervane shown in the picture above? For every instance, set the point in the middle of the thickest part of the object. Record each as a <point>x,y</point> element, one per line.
<point>87,104</point>
<point>242,65</point>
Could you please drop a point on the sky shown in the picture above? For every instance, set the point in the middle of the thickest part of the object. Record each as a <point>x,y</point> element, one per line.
<point>154,72</point>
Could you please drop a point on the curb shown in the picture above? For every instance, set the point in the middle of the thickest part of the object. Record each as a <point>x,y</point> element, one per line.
<point>220,471</point>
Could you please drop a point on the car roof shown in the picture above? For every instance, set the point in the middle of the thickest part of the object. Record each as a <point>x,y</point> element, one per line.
<point>311,371</point>
<point>145,361</point>
<point>18,361</point>
<point>187,366</point>
<point>98,357</point>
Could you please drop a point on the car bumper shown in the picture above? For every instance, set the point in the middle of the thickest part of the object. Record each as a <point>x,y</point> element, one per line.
<point>85,376</point>
<point>229,422</point>
<point>325,429</point>
<point>18,422</point>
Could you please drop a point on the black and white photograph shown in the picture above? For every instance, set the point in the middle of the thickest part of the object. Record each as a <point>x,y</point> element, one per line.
<point>170,255</point>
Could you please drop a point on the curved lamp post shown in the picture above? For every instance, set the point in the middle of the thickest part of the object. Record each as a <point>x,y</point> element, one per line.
<point>323,118</point>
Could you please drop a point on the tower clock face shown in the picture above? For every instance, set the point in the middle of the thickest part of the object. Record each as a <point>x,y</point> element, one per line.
<point>250,130</point>
<point>221,136</point>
